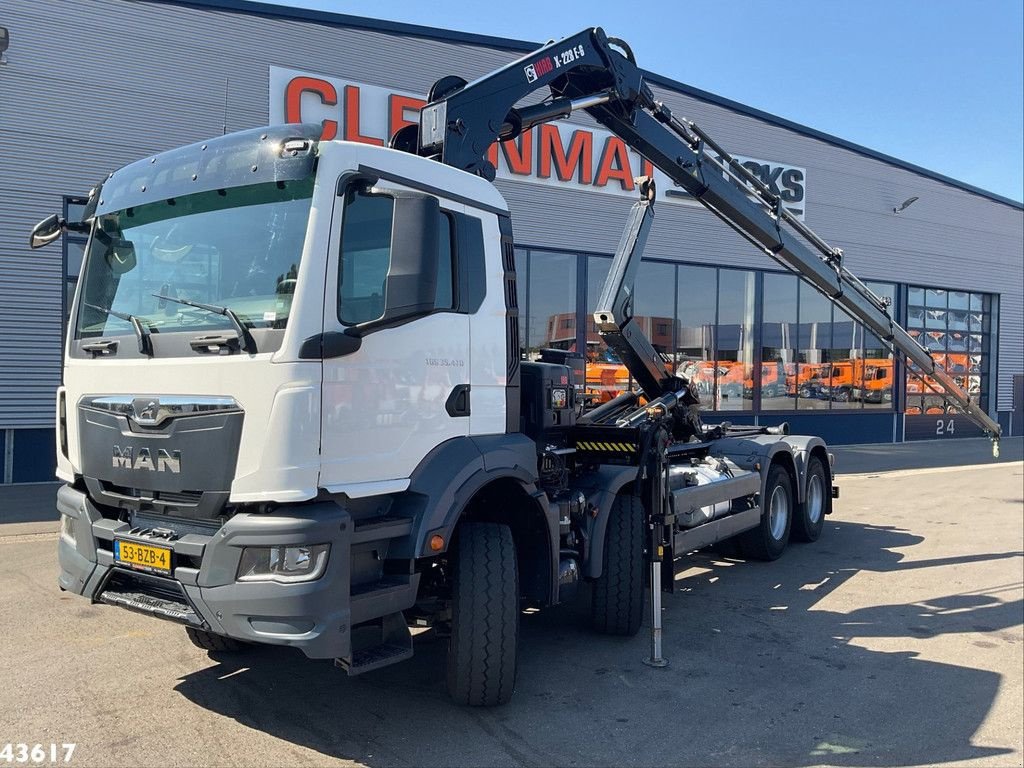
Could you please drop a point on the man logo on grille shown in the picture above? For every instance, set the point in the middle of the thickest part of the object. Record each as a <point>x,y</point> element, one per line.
<point>166,461</point>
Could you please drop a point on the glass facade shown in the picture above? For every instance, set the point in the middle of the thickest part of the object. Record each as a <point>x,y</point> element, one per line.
<point>753,341</point>
<point>956,327</point>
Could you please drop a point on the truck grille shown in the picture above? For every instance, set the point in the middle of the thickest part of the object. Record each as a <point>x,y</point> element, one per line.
<point>190,498</point>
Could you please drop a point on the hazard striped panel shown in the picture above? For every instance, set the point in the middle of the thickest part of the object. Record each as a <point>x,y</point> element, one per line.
<point>605,447</point>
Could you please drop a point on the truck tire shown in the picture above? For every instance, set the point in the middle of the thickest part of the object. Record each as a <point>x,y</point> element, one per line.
<point>810,516</point>
<point>617,602</point>
<point>485,616</point>
<point>210,642</point>
<point>768,540</point>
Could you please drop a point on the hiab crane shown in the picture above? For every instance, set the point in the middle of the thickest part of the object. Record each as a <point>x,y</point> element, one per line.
<point>294,410</point>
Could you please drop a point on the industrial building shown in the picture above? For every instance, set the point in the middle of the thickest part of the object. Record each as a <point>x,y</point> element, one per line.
<point>762,346</point>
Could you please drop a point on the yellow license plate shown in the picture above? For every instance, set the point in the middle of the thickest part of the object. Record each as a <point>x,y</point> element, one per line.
<point>142,556</point>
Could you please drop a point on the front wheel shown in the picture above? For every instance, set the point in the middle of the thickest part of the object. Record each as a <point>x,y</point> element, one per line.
<point>810,517</point>
<point>769,539</point>
<point>485,616</point>
<point>208,641</point>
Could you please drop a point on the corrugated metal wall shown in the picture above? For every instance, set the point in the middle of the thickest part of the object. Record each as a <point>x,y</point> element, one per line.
<point>87,91</point>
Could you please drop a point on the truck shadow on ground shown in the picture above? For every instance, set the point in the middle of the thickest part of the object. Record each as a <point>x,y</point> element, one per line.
<point>765,669</point>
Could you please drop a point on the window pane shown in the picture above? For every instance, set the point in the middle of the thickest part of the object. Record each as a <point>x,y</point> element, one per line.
<point>879,367</point>
<point>814,373</point>
<point>552,318</point>
<point>935,318</point>
<point>958,299</point>
<point>778,342</point>
<point>443,297</point>
<point>915,296</point>
<point>957,319</point>
<point>695,332</point>
<point>655,305</point>
<point>74,211</point>
<point>76,252</point>
<point>735,349</point>
<point>522,266</point>
<point>935,341</point>
<point>606,376</point>
<point>847,365</point>
<point>365,256</point>
<point>935,297</point>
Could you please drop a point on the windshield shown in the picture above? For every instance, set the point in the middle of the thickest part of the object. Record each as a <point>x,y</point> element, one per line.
<point>237,248</point>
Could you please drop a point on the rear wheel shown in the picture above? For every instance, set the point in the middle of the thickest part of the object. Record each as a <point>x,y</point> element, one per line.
<point>485,616</point>
<point>768,540</point>
<point>810,516</point>
<point>216,643</point>
<point>617,604</point>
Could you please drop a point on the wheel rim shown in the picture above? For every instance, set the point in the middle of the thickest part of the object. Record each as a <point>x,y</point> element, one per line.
<point>778,512</point>
<point>815,499</point>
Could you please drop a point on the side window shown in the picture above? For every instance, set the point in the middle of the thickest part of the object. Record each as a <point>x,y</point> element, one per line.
<point>445,296</point>
<point>365,256</point>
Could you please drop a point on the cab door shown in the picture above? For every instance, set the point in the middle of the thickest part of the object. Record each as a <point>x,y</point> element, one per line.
<point>405,390</point>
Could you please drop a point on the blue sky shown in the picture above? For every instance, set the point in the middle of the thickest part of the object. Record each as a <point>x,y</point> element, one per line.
<point>939,83</point>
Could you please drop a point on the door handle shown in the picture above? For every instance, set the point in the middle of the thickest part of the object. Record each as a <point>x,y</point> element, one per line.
<point>457,403</point>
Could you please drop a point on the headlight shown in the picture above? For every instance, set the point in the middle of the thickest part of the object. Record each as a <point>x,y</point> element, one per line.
<point>67,528</point>
<point>283,564</point>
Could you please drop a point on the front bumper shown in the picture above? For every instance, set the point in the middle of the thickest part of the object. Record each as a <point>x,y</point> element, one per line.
<point>313,616</point>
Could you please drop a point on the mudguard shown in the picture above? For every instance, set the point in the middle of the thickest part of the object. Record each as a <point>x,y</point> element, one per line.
<point>601,488</point>
<point>452,473</point>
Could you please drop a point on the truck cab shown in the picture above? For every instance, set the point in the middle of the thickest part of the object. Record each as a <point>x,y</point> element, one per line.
<point>267,324</point>
<point>874,385</point>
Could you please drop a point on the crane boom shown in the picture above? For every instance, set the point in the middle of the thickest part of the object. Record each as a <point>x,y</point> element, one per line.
<point>594,73</point>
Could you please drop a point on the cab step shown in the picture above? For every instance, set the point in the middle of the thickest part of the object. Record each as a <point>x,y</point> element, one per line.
<point>391,594</point>
<point>395,645</point>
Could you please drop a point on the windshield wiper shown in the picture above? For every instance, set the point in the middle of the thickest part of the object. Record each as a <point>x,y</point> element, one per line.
<point>247,342</point>
<point>141,331</point>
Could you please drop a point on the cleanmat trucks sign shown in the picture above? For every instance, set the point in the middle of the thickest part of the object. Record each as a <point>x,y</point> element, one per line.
<point>556,154</point>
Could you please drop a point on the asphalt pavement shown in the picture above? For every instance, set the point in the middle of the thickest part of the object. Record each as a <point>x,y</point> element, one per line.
<point>897,639</point>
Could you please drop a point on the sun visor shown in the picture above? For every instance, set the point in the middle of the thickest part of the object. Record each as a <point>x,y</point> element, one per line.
<point>277,153</point>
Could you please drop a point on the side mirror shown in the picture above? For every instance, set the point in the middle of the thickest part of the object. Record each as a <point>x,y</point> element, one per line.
<point>411,285</point>
<point>46,231</point>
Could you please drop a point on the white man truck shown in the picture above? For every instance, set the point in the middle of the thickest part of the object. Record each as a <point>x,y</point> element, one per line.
<point>294,410</point>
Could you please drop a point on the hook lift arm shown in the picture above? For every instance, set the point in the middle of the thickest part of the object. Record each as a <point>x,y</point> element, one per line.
<point>598,74</point>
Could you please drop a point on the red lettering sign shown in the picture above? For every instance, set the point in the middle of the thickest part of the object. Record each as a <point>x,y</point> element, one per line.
<point>615,164</point>
<point>576,162</point>
<point>352,119</point>
<point>293,101</point>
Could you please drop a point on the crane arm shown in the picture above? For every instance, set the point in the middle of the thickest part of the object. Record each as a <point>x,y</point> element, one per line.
<point>597,74</point>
